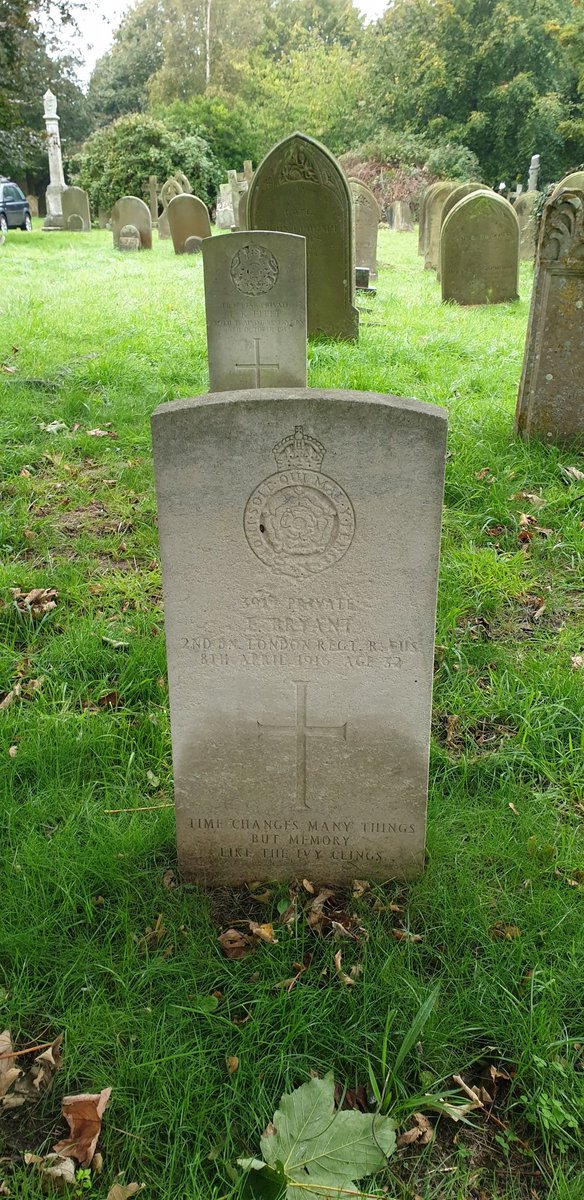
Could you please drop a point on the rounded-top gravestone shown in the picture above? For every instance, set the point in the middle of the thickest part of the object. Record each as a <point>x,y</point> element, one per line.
<point>573,182</point>
<point>300,188</point>
<point>75,207</point>
<point>479,250</point>
<point>130,210</point>
<point>422,222</point>
<point>187,218</point>
<point>366,216</point>
<point>433,219</point>
<point>465,189</point>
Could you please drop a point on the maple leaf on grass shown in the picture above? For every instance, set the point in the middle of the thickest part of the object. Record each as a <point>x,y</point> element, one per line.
<point>83,1115</point>
<point>320,1153</point>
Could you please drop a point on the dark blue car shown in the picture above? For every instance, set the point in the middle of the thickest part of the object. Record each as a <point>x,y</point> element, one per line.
<point>14,208</point>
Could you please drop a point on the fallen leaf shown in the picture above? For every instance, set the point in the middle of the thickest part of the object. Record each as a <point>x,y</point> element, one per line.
<point>12,751</point>
<point>264,932</point>
<point>8,698</point>
<point>36,602</point>
<point>577,661</point>
<point>83,1115</point>
<point>28,1086</point>
<point>352,1098</point>
<point>421,1132</point>
<point>360,886</point>
<point>572,473</point>
<point>110,700</point>
<point>404,935</point>
<point>123,1191</point>
<point>8,1071</point>
<point>54,427</point>
<point>59,1172</point>
<point>530,496</point>
<point>169,880</point>
<point>99,433</point>
<point>235,944</point>
<point>485,473</point>
<point>232,1063</point>
<point>344,978</point>
<point>315,911</point>
<point>308,886</point>
<point>505,932</point>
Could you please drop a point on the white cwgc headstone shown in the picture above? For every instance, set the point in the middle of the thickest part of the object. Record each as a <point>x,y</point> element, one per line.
<point>255,303</point>
<point>299,629</point>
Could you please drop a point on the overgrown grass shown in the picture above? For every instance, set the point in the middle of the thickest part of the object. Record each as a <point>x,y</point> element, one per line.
<point>97,339</point>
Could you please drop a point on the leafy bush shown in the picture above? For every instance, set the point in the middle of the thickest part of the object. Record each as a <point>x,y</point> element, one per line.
<point>223,122</point>
<point>117,161</point>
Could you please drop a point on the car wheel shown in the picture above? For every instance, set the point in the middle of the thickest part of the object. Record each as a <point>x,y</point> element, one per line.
<point>27,224</point>
<point>3,224</point>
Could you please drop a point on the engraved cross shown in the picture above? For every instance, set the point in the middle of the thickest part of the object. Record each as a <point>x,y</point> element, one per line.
<point>303,731</point>
<point>258,366</point>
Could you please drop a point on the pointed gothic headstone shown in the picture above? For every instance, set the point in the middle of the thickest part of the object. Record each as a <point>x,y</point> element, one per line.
<point>300,188</point>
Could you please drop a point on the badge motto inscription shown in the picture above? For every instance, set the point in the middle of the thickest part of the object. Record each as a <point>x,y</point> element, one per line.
<point>299,521</point>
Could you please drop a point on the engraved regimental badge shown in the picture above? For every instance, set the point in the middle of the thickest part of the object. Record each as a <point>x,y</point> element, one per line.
<point>254,270</point>
<point>299,521</point>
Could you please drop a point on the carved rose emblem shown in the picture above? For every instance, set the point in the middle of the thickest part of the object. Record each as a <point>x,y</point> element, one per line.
<point>299,521</point>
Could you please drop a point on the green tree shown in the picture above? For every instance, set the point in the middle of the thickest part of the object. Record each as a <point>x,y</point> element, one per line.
<point>118,160</point>
<point>119,83</point>
<point>223,121</point>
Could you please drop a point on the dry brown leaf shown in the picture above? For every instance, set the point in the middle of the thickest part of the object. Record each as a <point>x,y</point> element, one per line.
<point>4,1189</point>
<point>485,473</point>
<point>344,978</point>
<point>232,1063</point>
<point>360,886</point>
<point>8,698</point>
<point>169,880</point>
<point>83,1115</point>
<point>308,887</point>
<point>36,602</point>
<point>235,944</point>
<point>573,473</point>
<point>530,496</point>
<point>315,911</point>
<point>100,433</point>
<point>28,1086</point>
<point>57,1171</point>
<point>264,932</point>
<point>404,935</point>
<point>123,1191</point>
<point>577,661</point>
<point>421,1132</point>
<point>505,932</point>
<point>8,1071</point>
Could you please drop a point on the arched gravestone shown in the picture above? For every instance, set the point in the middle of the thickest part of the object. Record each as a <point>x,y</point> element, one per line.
<point>434,223</point>
<point>550,405</point>
<point>366,215</point>
<point>464,189</point>
<point>187,218</point>
<point>129,238</point>
<point>300,188</point>
<point>132,211</point>
<point>524,208</point>
<point>174,186</point>
<point>242,210</point>
<point>574,181</point>
<point>480,251</point>
<point>75,205</point>
<point>427,195</point>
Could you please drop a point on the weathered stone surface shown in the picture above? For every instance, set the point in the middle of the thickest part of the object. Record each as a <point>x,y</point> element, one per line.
<point>366,217</point>
<point>224,215</point>
<point>153,198</point>
<point>575,182</point>
<point>194,245</point>
<point>132,211</point>
<point>433,223</point>
<point>242,211</point>
<point>533,173</point>
<point>464,189</point>
<point>422,223</point>
<point>399,217</point>
<point>255,304</point>
<point>171,188</point>
<point>300,188</point>
<point>480,251</point>
<point>187,217</point>
<point>33,203</point>
<point>54,217</point>
<point>299,629</point>
<point>129,238</point>
<point>550,406</point>
<point>525,208</point>
<point>75,207</point>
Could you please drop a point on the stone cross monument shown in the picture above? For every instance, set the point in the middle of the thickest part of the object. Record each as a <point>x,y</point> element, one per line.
<point>533,173</point>
<point>54,217</point>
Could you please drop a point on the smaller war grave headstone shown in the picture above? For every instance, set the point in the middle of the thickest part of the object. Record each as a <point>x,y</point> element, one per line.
<point>75,206</point>
<point>550,406</point>
<point>255,304</point>
<point>131,224</point>
<point>301,188</point>
<point>189,222</point>
<point>525,210</point>
<point>299,629</point>
<point>479,249</point>
<point>366,216</point>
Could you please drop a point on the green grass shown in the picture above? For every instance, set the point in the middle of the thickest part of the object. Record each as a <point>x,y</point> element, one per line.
<point>102,338</point>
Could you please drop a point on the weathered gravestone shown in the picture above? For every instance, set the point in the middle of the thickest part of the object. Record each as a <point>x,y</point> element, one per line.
<point>366,216</point>
<point>533,173</point>
<point>299,629</point>
<point>130,211</point>
<point>550,406</point>
<point>242,211</point>
<point>399,217</point>
<point>224,215</point>
<point>188,219</point>
<point>171,188</point>
<point>255,303</point>
<point>434,223</point>
<point>525,210</point>
<point>463,189</point>
<point>574,181</point>
<point>153,198</point>
<point>75,206</point>
<point>479,249</point>
<point>300,188</point>
<point>33,204</point>
<point>422,222</point>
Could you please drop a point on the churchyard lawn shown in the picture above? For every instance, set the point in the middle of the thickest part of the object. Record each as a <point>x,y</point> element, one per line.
<point>99,940</point>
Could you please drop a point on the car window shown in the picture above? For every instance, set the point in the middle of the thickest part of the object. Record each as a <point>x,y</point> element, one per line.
<point>19,194</point>
<point>11,192</point>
